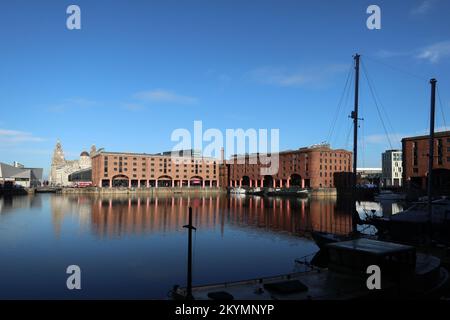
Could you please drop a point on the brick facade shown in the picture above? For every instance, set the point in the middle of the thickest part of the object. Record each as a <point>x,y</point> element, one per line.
<point>146,171</point>
<point>313,167</point>
<point>415,158</point>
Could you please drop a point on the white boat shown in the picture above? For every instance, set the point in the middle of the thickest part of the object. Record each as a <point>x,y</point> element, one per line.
<point>386,195</point>
<point>238,191</point>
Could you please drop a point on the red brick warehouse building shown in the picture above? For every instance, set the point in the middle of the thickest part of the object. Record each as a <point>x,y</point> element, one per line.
<point>310,167</point>
<point>415,160</point>
<point>140,170</point>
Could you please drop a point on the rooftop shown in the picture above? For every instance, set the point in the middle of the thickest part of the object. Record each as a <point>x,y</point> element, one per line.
<point>436,135</point>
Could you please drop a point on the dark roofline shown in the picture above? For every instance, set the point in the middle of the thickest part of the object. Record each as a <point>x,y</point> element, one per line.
<point>436,135</point>
<point>304,149</point>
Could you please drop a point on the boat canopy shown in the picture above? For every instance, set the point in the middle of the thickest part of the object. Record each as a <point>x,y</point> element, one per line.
<point>355,256</point>
<point>371,247</point>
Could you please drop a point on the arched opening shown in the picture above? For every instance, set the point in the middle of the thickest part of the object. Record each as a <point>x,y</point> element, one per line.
<point>120,181</point>
<point>268,182</point>
<point>196,181</point>
<point>296,180</point>
<point>164,182</point>
<point>245,181</point>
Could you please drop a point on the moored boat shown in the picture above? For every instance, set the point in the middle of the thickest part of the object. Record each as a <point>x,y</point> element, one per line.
<point>289,192</point>
<point>414,225</point>
<point>238,191</point>
<point>405,274</point>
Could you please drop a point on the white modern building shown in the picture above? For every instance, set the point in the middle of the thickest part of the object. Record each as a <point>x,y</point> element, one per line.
<point>11,176</point>
<point>392,169</point>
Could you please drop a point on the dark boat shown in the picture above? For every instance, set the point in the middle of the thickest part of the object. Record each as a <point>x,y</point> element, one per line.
<point>414,225</point>
<point>405,274</point>
<point>289,192</point>
<point>324,238</point>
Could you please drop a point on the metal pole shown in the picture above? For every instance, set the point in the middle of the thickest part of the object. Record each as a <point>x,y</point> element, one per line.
<point>190,227</point>
<point>431,148</point>
<point>354,116</point>
<point>355,121</point>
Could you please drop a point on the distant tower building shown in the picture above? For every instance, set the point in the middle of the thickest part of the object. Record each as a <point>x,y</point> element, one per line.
<point>392,168</point>
<point>58,154</point>
<point>62,168</point>
<point>93,150</point>
<point>57,161</point>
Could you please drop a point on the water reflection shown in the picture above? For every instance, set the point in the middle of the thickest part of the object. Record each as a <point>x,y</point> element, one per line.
<point>382,209</point>
<point>142,252</point>
<point>12,203</point>
<point>119,216</point>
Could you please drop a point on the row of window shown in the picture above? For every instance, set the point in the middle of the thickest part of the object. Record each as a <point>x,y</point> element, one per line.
<point>165,160</point>
<point>153,176</point>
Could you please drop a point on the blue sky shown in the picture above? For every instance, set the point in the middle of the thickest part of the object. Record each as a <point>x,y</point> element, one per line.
<point>137,70</point>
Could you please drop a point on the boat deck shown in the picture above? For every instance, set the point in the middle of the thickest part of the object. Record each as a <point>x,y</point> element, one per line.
<point>419,213</point>
<point>320,285</point>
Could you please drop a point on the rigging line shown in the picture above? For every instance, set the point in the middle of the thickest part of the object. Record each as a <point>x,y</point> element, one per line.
<point>383,109</point>
<point>376,104</point>
<point>333,122</point>
<point>346,101</point>
<point>419,77</point>
<point>442,108</point>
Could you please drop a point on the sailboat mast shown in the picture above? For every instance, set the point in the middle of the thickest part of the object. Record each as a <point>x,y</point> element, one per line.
<point>431,147</point>
<point>354,116</point>
<point>190,227</point>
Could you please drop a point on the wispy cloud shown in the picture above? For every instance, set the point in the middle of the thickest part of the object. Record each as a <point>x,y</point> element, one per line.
<point>73,103</point>
<point>432,53</point>
<point>285,77</point>
<point>133,106</point>
<point>164,96</point>
<point>396,138</point>
<point>423,7</point>
<point>385,54</point>
<point>14,137</point>
<point>435,52</point>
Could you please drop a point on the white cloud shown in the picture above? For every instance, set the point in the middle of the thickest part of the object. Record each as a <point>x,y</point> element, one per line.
<point>161,95</point>
<point>293,78</point>
<point>435,52</point>
<point>432,53</point>
<point>423,7</point>
<point>73,103</point>
<point>14,136</point>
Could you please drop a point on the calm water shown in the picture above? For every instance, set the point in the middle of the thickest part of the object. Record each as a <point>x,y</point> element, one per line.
<point>136,247</point>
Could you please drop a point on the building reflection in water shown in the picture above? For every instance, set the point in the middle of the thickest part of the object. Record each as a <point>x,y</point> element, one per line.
<point>385,208</point>
<point>119,216</point>
<point>12,203</point>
